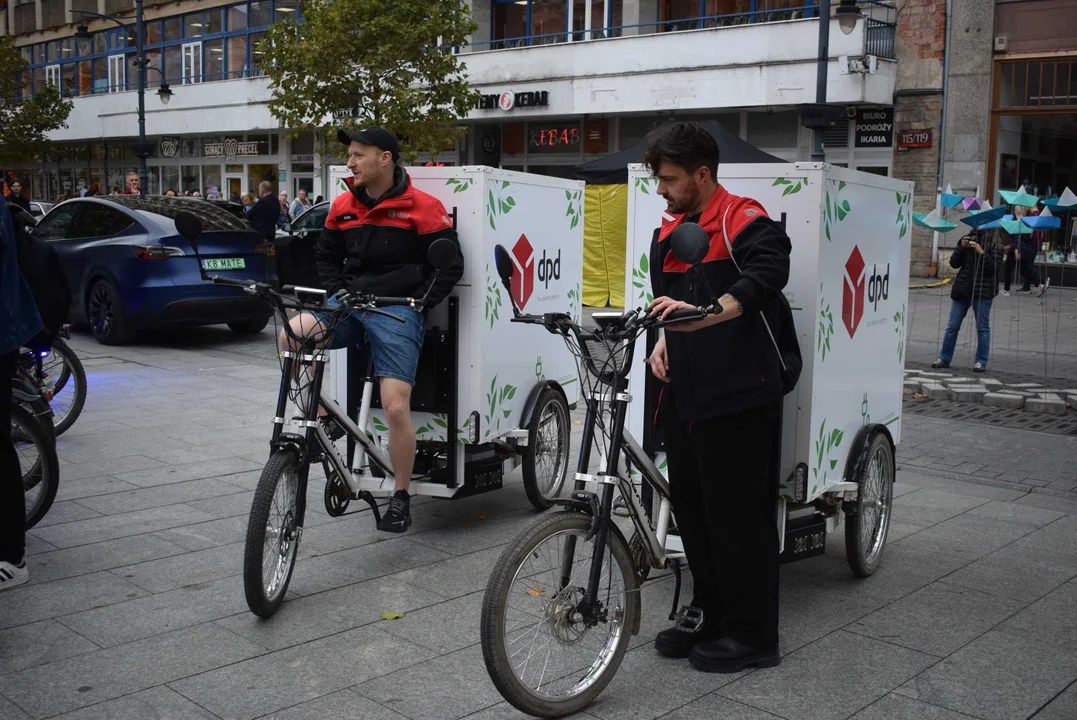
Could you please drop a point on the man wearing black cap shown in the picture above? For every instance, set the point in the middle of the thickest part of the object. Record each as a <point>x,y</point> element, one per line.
<point>375,242</point>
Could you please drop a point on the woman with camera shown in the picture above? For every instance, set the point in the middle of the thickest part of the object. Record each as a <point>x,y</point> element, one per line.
<point>978,262</point>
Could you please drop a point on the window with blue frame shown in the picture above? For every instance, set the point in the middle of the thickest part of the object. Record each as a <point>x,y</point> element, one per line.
<point>204,46</point>
<point>519,23</point>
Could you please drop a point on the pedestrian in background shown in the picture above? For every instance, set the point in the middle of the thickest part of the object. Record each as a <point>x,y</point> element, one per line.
<point>265,213</point>
<point>977,261</point>
<point>285,215</point>
<point>248,201</point>
<point>1027,248</point>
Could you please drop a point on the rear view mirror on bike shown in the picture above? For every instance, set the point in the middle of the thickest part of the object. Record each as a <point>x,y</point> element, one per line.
<point>689,243</point>
<point>504,264</point>
<point>442,254</point>
<point>189,227</point>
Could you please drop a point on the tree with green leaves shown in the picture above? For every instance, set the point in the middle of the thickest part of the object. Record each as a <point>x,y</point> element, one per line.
<point>357,63</point>
<point>24,122</point>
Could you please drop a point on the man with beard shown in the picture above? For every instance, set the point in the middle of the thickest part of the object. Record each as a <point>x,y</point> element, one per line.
<point>721,407</point>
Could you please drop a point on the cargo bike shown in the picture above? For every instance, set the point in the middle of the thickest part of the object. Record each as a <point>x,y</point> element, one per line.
<point>563,600</point>
<point>486,400</point>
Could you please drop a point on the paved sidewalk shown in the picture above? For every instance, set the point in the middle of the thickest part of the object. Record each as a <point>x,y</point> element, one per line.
<point>135,607</point>
<point>1031,338</point>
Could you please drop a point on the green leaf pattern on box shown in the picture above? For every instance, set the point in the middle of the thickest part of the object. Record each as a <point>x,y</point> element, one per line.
<point>899,318</point>
<point>643,183</point>
<point>641,280</point>
<point>575,211</point>
<point>903,213</point>
<point>791,188</point>
<point>498,201</point>
<point>458,185</point>
<point>834,208</point>
<point>825,444</point>
<point>493,297</point>
<point>496,398</point>
<point>826,327</point>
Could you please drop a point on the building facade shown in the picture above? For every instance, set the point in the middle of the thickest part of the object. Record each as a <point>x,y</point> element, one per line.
<point>563,82</point>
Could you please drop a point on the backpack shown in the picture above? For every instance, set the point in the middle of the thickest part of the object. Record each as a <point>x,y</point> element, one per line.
<point>40,266</point>
<point>786,344</point>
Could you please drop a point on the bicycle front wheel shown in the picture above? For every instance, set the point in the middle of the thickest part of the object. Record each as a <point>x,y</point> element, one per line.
<point>69,384</point>
<point>542,654</point>
<point>38,464</point>
<point>272,534</point>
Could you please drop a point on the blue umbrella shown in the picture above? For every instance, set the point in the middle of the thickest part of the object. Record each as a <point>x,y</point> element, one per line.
<point>983,218</point>
<point>1042,223</point>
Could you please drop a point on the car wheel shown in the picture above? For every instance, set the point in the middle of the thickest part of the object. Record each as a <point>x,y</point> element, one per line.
<point>249,327</point>
<point>105,312</point>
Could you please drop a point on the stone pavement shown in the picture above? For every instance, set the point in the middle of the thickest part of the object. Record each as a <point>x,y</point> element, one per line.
<point>135,607</point>
<point>1032,339</point>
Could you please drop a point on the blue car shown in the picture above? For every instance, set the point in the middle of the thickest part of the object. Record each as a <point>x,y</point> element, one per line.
<point>131,270</point>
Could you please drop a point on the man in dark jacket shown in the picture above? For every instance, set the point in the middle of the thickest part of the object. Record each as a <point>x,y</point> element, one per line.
<point>18,197</point>
<point>721,409</point>
<point>263,216</point>
<point>975,286</point>
<point>375,242</point>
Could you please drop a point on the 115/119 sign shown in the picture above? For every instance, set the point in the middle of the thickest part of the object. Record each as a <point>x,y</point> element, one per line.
<point>555,138</point>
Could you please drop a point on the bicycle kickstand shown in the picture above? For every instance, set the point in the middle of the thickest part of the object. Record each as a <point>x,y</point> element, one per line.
<point>369,499</point>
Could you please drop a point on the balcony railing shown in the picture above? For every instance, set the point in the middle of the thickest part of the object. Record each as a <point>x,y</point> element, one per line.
<point>880,28</point>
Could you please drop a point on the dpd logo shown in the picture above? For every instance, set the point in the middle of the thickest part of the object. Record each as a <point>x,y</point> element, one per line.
<point>857,285</point>
<point>524,270</point>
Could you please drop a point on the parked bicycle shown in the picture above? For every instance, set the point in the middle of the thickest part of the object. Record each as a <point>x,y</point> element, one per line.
<point>563,600</point>
<point>59,374</point>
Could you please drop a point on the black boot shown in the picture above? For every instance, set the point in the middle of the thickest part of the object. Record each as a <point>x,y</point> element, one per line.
<point>687,631</point>
<point>726,655</point>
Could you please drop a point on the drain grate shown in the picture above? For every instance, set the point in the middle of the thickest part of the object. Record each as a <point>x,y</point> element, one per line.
<point>999,417</point>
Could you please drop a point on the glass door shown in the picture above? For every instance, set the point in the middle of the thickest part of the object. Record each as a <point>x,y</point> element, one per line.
<point>234,186</point>
<point>192,63</point>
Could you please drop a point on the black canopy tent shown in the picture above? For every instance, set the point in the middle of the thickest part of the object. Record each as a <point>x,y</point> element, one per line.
<point>613,169</point>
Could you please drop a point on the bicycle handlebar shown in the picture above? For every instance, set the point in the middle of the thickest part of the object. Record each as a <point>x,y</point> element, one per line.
<point>350,301</point>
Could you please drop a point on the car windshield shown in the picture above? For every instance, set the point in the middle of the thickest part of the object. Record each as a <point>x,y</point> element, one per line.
<point>212,217</point>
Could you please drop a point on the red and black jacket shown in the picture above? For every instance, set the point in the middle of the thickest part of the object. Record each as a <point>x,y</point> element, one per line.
<point>731,366</point>
<point>379,246</point>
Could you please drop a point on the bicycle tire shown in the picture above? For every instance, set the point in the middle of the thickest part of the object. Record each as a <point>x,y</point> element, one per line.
<point>495,648</point>
<point>550,407</point>
<point>44,473</point>
<point>73,371</point>
<point>264,602</point>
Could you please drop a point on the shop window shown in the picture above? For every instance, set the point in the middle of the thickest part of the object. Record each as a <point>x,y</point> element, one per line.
<point>1042,83</point>
<point>303,144</point>
<point>170,179</point>
<point>189,178</point>
<point>773,130</point>
<point>261,13</point>
<point>211,181</point>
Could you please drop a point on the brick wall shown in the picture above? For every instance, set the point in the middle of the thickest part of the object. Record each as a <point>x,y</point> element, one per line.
<point>919,112</point>
<point>922,27</point>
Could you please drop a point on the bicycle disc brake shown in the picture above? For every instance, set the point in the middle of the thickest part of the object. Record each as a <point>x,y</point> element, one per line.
<point>336,493</point>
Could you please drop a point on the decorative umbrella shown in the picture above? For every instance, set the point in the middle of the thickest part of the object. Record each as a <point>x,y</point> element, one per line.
<point>985,218</point>
<point>996,223</point>
<point>1019,197</point>
<point>950,199</point>
<point>932,221</point>
<point>1044,221</point>
<point>1015,227</point>
<point>1066,201</point>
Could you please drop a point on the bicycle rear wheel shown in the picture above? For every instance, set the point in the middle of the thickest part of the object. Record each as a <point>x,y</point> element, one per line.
<point>69,384</point>
<point>272,537</point>
<point>541,654</point>
<point>38,464</point>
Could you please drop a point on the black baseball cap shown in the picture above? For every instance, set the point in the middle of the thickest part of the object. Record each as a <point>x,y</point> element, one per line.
<point>376,136</point>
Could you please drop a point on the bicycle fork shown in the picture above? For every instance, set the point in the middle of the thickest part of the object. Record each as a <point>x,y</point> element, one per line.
<point>602,509</point>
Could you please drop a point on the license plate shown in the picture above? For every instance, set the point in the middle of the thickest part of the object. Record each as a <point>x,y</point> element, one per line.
<point>224,264</point>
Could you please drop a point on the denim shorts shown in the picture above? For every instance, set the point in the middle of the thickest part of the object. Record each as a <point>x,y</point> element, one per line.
<point>394,345</point>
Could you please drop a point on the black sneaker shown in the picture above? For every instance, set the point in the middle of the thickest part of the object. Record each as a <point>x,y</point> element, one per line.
<point>397,518</point>
<point>938,364</point>
<point>687,631</point>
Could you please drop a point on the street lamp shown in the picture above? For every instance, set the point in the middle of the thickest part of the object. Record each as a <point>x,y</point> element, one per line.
<point>819,116</point>
<point>141,149</point>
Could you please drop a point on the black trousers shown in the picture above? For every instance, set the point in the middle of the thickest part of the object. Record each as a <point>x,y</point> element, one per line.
<point>12,499</point>
<point>1011,270</point>
<point>724,481</point>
